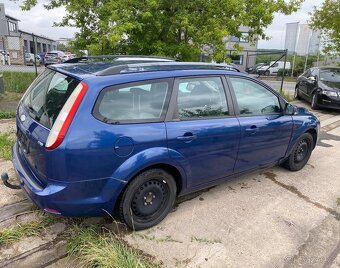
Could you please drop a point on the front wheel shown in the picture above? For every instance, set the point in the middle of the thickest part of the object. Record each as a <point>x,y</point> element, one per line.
<point>301,153</point>
<point>267,73</point>
<point>314,103</point>
<point>296,94</point>
<point>148,199</point>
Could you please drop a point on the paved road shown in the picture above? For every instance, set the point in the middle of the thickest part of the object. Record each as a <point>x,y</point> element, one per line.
<point>287,86</point>
<point>270,218</point>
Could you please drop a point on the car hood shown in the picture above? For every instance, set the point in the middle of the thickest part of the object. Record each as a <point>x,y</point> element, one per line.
<point>330,85</point>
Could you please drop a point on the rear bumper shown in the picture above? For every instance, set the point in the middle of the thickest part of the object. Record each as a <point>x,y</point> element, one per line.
<point>83,198</point>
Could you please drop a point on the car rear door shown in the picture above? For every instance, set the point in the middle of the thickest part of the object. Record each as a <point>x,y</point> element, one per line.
<point>265,129</point>
<point>203,134</point>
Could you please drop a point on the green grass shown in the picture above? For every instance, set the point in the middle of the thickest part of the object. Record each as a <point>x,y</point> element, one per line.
<point>205,241</point>
<point>287,96</point>
<point>7,114</point>
<point>95,248</point>
<point>17,81</point>
<point>6,142</point>
<point>9,236</point>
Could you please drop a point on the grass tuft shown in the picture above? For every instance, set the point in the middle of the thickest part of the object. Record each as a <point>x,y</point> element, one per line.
<point>17,81</point>
<point>9,236</point>
<point>6,143</point>
<point>288,97</point>
<point>7,114</point>
<point>98,249</point>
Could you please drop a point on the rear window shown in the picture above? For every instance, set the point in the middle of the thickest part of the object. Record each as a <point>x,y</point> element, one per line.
<point>47,96</point>
<point>136,102</point>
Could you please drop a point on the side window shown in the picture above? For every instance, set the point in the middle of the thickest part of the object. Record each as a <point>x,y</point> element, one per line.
<point>307,73</point>
<point>314,72</point>
<point>201,97</point>
<point>254,99</point>
<point>133,102</point>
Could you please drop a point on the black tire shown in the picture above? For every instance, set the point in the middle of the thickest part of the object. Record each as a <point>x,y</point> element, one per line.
<point>267,73</point>
<point>147,199</point>
<point>301,153</point>
<point>296,94</point>
<point>314,102</point>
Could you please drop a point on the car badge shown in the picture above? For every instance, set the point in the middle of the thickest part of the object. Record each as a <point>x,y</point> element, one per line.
<point>22,118</point>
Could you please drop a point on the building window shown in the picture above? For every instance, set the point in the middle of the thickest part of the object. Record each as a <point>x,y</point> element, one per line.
<point>238,59</point>
<point>243,39</point>
<point>12,26</point>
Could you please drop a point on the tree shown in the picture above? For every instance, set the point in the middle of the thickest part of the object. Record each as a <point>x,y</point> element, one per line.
<point>174,28</point>
<point>327,19</point>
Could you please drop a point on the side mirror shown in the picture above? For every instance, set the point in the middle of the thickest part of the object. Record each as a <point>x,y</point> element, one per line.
<point>290,109</point>
<point>311,79</point>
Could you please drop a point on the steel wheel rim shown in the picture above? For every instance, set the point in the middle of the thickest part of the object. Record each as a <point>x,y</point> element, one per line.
<point>301,151</point>
<point>149,200</point>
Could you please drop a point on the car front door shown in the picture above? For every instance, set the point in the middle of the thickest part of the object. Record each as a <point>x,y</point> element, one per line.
<point>265,129</point>
<point>203,133</point>
<point>302,84</point>
<point>310,84</point>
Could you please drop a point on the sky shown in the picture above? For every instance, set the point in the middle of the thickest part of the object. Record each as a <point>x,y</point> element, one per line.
<point>40,21</point>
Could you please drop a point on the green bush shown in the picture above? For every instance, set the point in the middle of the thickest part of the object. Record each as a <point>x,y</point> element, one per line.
<point>287,72</point>
<point>17,81</point>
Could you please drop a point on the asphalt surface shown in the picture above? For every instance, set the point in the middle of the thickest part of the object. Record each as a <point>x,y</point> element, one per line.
<point>270,218</point>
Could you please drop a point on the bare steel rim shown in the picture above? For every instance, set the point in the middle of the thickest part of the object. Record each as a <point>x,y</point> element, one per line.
<point>301,151</point>
<point>150,200</point>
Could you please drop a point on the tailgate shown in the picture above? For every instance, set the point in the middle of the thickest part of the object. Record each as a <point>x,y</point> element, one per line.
<point>36,115</point>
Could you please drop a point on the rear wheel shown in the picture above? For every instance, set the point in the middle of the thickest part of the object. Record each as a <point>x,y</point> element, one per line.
<point>300,154</point>
<point>147,199</point>
<point>314,103</point>
<point>267,73</point>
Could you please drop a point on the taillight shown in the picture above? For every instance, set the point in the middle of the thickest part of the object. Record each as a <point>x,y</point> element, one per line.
<point>65,117</point>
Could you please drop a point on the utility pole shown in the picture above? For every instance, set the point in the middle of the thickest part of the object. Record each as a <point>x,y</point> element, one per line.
<point>34,53</point>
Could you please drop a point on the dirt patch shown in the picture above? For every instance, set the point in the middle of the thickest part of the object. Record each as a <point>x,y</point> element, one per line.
<point>7,125</point>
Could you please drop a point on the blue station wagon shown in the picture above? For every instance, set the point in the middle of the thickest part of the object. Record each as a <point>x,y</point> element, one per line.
<point>126,139</point>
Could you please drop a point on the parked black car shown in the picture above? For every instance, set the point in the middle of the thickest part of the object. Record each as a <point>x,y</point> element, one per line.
<point>320,86</point>
<point>253,69</point>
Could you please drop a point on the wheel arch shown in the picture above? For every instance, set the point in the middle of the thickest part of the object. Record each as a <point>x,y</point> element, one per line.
<point>312,131</point>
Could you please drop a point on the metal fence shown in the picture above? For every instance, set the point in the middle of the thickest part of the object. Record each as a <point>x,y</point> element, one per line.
<point>16,55</point>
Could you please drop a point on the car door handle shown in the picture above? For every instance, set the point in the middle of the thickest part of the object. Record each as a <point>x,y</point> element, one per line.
<point>252,130</point>
<point>188,136</point>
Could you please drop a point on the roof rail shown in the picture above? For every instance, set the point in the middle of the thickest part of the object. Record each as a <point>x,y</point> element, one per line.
<point>119,58</point>
<point>163,66</point>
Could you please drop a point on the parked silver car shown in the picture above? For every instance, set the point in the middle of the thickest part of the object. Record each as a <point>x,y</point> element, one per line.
<point>54,57</point>
<point>29,59</point>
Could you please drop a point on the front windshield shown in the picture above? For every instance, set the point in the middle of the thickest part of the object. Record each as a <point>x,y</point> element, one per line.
<point>330,75</point>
